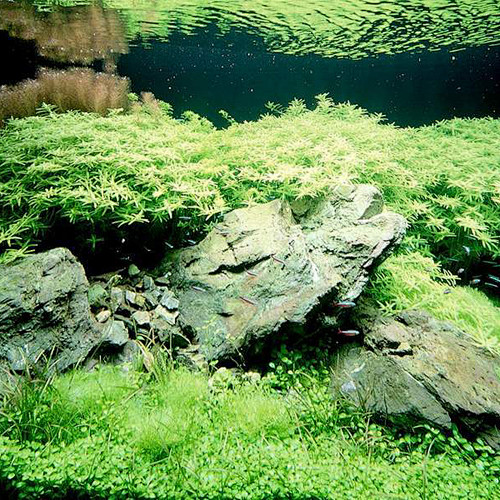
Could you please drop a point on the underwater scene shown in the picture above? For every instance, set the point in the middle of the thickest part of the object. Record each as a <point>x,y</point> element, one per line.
<point>250,249</point>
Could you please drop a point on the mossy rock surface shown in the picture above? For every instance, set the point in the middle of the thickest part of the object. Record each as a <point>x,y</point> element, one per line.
<point>417,369</point>
<point>44,311</point>
<point>266,268</point>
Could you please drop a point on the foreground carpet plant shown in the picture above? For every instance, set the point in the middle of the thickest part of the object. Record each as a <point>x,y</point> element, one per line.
<point>175,434</point>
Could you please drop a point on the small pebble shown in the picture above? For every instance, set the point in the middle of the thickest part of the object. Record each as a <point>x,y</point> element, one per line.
<point>117,298</point>
<point>141,317</point>
<point>162,280</point>
<point>140,301</point>
<point>130,296</point>
<point>133,271</point>
<point>103,316</point>
<point>169,301</point>
<point>148,282</point>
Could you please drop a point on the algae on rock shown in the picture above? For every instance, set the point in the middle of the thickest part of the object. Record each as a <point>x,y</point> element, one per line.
<point>275,267</point>
<point>44,312</point>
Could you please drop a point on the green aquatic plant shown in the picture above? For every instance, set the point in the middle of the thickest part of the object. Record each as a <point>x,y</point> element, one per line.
<point>147,168</point>
<point>80,35</point>
<point>140,171</point>
<point>248,441</point>
<point>82,89</point>
<point>413,281</point>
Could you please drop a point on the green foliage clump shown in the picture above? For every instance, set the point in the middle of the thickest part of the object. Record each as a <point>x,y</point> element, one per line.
<point>146,168</point>
<point>413,281</point>
<point>282,436</point>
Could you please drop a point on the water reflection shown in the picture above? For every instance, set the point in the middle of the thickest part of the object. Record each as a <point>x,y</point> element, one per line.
<point>79,35</point>
<point>332,28</point>
<point>78,88</point>
<point>396,57</point>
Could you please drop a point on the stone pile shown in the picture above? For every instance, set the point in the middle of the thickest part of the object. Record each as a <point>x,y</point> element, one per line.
<point>132,305</point>
<point>265,273</point>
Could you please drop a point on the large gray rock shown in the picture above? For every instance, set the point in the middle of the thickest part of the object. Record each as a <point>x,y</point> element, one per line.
<point>44,311</point>
<point>418,369</point>
<point>277,266</point>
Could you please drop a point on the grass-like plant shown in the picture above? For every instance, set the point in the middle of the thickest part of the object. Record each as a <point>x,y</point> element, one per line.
<point>413,281</point>
<point>173,434</point>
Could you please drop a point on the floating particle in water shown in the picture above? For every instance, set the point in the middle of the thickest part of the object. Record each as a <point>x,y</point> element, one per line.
<point>475,281</point>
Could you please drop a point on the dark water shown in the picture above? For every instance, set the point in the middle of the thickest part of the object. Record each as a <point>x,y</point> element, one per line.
<point>205,73</point>
<point>416,62</point>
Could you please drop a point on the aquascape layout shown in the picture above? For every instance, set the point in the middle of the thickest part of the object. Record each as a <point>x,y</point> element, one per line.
<point>250,250</point>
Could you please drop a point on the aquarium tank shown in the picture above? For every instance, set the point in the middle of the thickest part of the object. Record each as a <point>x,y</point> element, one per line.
<point>250,249</point>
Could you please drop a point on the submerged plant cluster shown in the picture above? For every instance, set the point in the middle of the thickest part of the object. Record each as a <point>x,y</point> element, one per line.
<point>70,89</point>
<point>140,171</point>
<point>147,167</point>
<point>177,434</point>
<point>79,35</point>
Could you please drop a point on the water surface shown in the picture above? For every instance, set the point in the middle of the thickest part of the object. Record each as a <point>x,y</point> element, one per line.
<point>416,61</point>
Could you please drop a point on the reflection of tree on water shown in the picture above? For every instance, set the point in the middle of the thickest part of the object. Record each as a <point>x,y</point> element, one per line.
<point>80,35</point>
<point>78,88</point>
